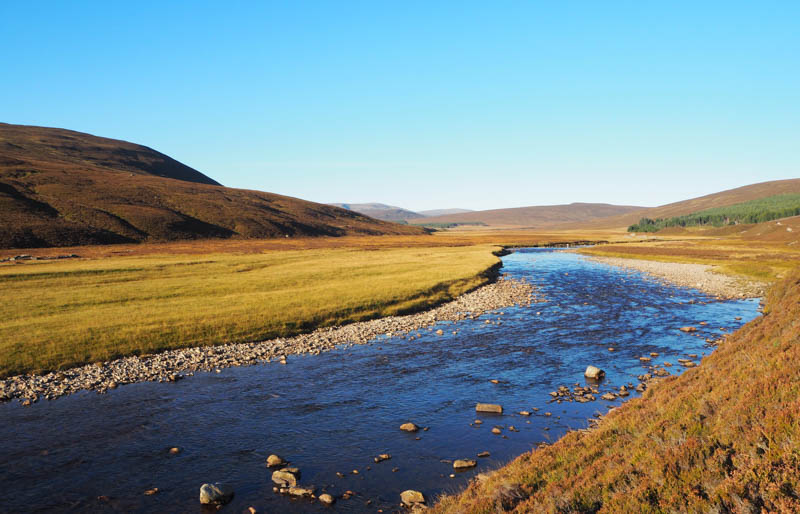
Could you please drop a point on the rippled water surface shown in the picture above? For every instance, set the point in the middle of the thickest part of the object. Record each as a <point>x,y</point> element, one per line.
<point>334,412</point>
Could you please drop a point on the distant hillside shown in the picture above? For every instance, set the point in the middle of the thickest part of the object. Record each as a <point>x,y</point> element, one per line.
<point>754,211</point>
<point>63,188</point>
<point>536,217</point>
<point>721,199</point>
<point>381,211</point>
<point>444,212</point>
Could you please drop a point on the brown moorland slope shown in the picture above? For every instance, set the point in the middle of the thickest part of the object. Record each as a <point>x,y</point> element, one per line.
<point>64,188</point>
<point>721,199</point>
<point>535,217</point>
<point>722,437</point>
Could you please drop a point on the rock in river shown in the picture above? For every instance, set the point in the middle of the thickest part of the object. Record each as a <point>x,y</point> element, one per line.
<point>274,461</point>
<point>326,498</point>
<point>489,407</point>
<point>464,463</point>
<point>300,491</point>
<point>286,476</point>
<point>594,372</point>
<point>216,493</point>
<point>410,498</point>
<point>409,427</point>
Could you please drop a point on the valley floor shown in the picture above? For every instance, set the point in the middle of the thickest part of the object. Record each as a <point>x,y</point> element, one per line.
<point>721,437</point>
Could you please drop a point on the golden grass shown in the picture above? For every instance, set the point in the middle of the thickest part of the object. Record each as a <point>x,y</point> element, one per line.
<point>58,314</point>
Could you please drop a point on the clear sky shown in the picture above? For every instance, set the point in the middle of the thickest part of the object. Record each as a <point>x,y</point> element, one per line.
<point>425,104</point>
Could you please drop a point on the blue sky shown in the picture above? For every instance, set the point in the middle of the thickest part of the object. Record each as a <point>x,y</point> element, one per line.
<point>425,104</point>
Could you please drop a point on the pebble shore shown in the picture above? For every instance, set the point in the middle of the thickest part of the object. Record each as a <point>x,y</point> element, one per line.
<point>173,365</point>
<point>698,276</point>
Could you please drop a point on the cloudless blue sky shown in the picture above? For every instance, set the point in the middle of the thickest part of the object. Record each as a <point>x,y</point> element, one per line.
<point>425,104</point>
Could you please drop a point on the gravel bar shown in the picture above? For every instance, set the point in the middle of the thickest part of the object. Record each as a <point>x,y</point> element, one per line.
<point>173,365</point>
<point>698,276</point>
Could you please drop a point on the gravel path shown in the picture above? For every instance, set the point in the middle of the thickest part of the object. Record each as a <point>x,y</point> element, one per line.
<point>698,276</point>
<point>173,365</point>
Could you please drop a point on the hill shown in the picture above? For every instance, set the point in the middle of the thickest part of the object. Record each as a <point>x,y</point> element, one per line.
<point>64,188</point>
<point>381,211</point>
<point>444,212</point>
<point>726,198</point>
<point>535,217</point>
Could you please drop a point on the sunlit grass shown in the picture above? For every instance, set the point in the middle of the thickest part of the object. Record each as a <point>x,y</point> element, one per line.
<point>63,313</point>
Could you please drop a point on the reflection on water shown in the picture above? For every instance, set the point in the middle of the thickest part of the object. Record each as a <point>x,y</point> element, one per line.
<point>336,411</point>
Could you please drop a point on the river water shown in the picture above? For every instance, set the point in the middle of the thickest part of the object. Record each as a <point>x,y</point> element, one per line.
<point>334,412</point>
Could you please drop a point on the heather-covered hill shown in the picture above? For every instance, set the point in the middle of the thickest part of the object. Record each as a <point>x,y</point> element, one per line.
<point>715,200</point>
<point>64,188</point>
<point>534,217</point>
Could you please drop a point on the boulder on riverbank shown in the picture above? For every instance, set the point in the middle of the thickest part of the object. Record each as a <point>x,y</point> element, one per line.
<point>464,463</point>
<point>410,498</point>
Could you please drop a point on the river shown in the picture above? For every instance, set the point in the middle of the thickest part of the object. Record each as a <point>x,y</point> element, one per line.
<point>334,412</point>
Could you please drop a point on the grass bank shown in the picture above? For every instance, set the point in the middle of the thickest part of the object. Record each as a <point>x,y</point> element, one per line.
<point>58,314</point>
<point>722,437</point>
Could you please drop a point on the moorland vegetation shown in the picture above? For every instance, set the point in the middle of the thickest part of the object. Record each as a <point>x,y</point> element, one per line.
<point>754,211</point>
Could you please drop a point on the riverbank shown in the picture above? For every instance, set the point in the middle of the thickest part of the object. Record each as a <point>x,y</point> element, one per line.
<point>698,276</point>
<point>719,437</point>
<point>175,364</point>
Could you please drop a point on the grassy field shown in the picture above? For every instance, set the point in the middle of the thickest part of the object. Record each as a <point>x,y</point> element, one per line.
<point>58,314</point>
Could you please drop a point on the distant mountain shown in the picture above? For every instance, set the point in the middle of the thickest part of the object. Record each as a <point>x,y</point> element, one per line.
<point>62,188</point>
<point>721,199</point>
<point>535,217</point>
<point>444,212</point>
<point>381,211</point>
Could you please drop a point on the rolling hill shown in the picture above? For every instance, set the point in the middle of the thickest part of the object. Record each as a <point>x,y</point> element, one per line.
<point>721,199</point>
<point>381,211</point>
<point>64,188</point>
<point>535,217</point>
<point>444,212</point>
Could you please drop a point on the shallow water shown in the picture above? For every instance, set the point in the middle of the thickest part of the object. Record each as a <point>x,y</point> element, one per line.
<point>336,411</point>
